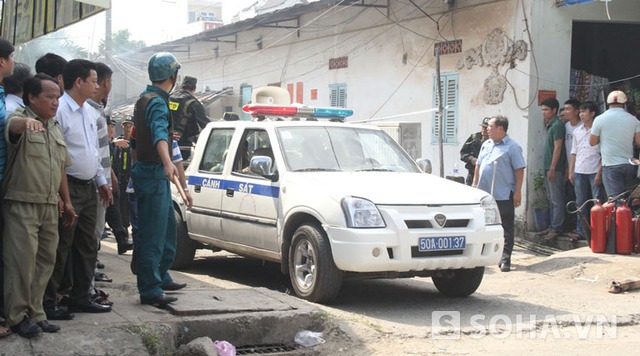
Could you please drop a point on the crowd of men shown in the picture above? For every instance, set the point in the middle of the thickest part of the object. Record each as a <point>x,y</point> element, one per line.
<point>586,157</point>
<point>63,175</point>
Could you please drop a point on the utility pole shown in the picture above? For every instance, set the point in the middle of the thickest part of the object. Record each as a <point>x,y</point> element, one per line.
<point>440,109</point>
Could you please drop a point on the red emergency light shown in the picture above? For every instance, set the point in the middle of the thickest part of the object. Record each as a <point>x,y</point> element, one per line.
<point>295,111</point>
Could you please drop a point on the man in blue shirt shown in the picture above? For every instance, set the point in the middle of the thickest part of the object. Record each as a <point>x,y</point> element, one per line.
<point>616,131</point>
<point>152,175</point>
<point>500,172</point>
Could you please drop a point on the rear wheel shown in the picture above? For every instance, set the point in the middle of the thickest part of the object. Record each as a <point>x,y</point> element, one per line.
<point>313,273</point>
<point>185,247</point>
<point>460,282</point>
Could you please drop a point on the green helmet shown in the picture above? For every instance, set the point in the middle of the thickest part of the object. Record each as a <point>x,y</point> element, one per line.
<point>162,66</point>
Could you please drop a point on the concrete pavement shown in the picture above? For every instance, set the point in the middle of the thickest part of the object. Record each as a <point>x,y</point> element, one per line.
<point>251,317</point>
<point>259,320</point>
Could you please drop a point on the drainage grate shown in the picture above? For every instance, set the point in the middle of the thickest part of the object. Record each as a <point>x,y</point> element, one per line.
<point>263,349</point>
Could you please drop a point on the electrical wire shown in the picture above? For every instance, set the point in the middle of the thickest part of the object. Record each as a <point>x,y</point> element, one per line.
<point>431,18</point>
<point>535,64</point>
<point>403,80</point>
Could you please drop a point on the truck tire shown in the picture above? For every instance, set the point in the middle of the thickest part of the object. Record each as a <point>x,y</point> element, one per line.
<point>313,273</point>
<point>185,247</point>
<point>459,283</point>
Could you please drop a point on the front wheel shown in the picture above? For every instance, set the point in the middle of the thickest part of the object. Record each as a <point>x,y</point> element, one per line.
<point>185,247</point>
<point>313,273</point>
<point>460,282</point>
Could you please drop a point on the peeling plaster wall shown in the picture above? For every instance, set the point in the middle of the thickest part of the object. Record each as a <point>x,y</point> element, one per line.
<point>379,83</point>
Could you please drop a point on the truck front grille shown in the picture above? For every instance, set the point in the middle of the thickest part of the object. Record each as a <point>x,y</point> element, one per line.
<point>426,224</point>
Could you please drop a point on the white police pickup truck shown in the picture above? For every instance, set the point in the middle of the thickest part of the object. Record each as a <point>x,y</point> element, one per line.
<point>329,200</point>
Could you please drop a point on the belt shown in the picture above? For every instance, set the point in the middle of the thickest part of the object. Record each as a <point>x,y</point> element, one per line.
<point>75,180</point>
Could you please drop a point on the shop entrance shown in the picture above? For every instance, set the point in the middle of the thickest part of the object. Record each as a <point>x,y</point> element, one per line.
<point>604,57</point>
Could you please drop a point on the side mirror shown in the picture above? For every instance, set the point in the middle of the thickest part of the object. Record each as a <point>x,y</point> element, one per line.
<point>424,164</point>
<point>263,166</point>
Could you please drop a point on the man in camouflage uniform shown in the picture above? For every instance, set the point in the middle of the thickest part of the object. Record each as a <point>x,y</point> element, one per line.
<point>471,148</point>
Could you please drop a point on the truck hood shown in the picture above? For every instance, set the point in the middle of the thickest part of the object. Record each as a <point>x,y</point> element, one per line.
<point>386,188</point>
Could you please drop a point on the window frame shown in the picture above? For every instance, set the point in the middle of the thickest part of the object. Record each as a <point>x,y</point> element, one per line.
<point>450,93</point>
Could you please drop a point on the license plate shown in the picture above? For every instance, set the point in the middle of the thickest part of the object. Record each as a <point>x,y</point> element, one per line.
<point>441,243</point>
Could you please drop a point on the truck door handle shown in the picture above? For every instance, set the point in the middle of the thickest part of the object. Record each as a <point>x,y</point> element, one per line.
<point>230,192</point>
<point>197,188</point>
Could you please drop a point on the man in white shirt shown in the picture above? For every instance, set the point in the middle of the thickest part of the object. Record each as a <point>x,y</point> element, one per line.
<point>572,123</point>
<point>13,85</point>
<point>78,123</point>
<point>585,166</point>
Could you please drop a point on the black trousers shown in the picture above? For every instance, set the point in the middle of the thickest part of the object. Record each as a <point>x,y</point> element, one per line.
<point>79,242</point>
<point>507,215</point>
<point>123,201</point>
<point>114,219</point>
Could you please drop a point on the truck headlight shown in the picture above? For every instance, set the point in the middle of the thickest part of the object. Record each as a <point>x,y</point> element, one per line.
<point>491,212</point>
<point>361,213</point>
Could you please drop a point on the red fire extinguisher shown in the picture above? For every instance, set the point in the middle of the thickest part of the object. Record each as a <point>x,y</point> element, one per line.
<point>598,228</point>
<point>624,230</point>
<point>636,233</point>
<point>609,208</point>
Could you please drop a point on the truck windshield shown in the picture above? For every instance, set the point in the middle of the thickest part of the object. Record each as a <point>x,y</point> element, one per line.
<point>347,149</point>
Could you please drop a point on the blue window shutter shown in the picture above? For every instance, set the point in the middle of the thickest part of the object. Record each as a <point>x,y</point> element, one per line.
<point>449,115</point>
<point>338,96</point>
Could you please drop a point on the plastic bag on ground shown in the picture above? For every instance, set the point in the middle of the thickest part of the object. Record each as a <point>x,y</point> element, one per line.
<point>224,348</point>
<point>306,338</point>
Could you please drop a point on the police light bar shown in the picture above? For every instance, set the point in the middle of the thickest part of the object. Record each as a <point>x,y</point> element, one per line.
<point>295,111</point>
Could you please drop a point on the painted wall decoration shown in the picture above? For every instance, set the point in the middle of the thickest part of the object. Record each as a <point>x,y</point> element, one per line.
<point>497,50</point>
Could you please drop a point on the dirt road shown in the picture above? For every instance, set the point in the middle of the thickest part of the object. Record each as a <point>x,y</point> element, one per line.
<point>545,305</point>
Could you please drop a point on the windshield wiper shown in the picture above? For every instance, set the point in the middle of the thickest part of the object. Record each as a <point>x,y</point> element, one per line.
<point>375,170</point>
<point>316,170</point>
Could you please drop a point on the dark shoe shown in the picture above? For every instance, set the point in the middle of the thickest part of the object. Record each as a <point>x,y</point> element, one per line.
<point>102,277</point>
<point>99,265</point>
<point>89,307</point>
<point>26,328</point>
<point>48,328</point>
<point>160,301</point>
<point>57,313</point>
<point>505,267</point>
<point>134,264</point>
<point>124,247</point>
<point>174,286</point>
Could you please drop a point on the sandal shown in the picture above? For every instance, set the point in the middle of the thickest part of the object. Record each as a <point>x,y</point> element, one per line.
<point>4,332</point>
<point>100,293</point>
<point>101,300</point>
<point>573,236</point>
<point>102,277</point>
